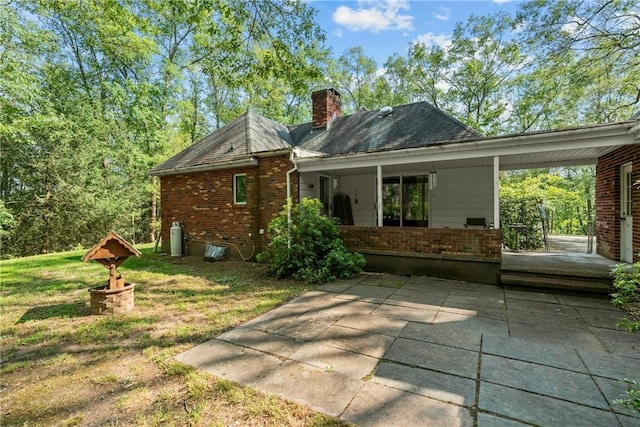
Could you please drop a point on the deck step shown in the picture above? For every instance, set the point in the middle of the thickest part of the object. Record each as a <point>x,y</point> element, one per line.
<point>555,281</point>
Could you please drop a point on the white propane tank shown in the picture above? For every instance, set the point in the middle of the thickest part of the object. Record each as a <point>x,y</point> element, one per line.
<point>176,239</point>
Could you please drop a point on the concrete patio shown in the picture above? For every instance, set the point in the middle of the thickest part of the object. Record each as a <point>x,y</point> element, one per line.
<point>384,350</point>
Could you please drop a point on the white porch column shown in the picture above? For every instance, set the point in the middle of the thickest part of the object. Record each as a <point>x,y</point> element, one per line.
<point>379,194</point>
<point>496,192</point>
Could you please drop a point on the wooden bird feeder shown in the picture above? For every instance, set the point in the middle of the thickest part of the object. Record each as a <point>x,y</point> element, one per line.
<point>116,296</point>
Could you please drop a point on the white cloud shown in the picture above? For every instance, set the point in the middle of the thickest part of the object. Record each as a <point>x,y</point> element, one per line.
<point>572,26</point>
<point>338,33</point>
<point>374,16</point>
<point>430,39</point>
<point>443,13</point>
<point>502,1</point>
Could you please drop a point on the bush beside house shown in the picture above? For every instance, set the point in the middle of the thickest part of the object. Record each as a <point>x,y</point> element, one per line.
<point>305,246</point>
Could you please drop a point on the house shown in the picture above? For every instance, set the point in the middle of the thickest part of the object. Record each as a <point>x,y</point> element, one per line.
<point>416,191</point>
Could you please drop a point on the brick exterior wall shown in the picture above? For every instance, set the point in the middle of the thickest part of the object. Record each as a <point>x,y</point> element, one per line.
<point>203,203</point>
<point>608,201</point>
<point>439,242</point>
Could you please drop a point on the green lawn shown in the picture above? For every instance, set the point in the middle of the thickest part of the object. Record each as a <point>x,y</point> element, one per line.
<point>63,366</point>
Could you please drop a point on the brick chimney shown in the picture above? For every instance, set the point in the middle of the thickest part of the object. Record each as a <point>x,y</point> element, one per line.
<point>326,106</point>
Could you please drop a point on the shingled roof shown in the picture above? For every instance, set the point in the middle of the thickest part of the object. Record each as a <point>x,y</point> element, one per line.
<point>407,126</point>
<point>244,137</point>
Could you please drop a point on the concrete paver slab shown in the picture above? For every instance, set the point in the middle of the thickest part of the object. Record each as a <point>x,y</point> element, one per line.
<point>356,341</point>
<point>271,321</point>
<point>486,294</point>
<point>405,313</point>
<point>335,287</point>
<point>371,323</point>
<point>437,357</point>
<point>557,335</point>
<point>597,301</point>
<point>328,392</point>
<point>619,342</point>
<point>443,333</point>
<point>528,295</point>
<point>469,309</point>
<point>378,405</point>
<point>571,321</point>
<point>307,326</point>
<point>540,410</point>
<point>408,301</point>
<point>542,354</point>
<point>543,308</point>
<point>608,365</point>
<point>269,343</point>
<point>230,361</point>
<point>549,320</point>
<point>443,387</point>
<point>627,421</point>
<point>543,380</point>
<point>613,390</point>
<point>487,420</point>
<point>421,296</point>
<point>333,359</point>
<point>368,293</point>
<point>597,316</point>
<point>471,323</point>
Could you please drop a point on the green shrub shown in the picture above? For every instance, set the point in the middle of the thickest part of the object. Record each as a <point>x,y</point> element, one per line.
<point>632,400</point>
<point>627,292</point>
<point>627,285</point>
<point>308,248</point>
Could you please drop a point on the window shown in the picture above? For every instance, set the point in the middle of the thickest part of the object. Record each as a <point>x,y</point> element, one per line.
<point>405,201</point>
<point>240,189</point>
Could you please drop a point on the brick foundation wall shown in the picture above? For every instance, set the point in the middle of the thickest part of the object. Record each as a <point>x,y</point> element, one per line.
<point>436,242</point>
<point>608,201</point>
<point>203,203</point>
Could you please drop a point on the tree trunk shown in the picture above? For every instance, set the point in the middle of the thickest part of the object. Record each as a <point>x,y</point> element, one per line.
<point>154,209</point>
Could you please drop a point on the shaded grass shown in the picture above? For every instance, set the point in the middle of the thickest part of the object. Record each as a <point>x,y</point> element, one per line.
<point>60,365</point>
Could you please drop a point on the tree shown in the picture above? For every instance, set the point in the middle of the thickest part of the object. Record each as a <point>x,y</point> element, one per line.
<point>97,93</point>
<point>602,41</point>
<point>353,73</point>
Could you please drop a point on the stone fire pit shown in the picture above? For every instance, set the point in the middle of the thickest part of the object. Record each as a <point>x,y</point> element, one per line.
<point>116,296</point>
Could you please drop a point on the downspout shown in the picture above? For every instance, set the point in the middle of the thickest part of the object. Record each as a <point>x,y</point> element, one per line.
<point>292,159</point>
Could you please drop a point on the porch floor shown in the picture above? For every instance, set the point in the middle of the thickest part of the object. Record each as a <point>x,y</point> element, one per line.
<point>558,263</point>
<point>566,266</point>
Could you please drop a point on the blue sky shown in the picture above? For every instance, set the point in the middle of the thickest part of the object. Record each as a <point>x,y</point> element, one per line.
<point>383,27</point>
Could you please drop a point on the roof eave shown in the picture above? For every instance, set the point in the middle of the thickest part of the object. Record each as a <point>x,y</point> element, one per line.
<point>251,161</point>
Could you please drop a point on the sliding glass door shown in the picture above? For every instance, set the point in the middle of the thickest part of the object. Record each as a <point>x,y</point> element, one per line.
<point>405,201</point>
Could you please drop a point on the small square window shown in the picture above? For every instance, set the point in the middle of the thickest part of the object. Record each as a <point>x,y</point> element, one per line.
<point>240,189</point>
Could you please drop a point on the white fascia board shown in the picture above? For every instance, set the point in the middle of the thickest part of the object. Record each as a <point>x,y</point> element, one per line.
<point>302,153</point>
<point>596,137</point>
<point>252,161</point>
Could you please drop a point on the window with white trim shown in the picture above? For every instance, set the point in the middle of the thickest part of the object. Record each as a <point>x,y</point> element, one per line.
<point>240,189</point>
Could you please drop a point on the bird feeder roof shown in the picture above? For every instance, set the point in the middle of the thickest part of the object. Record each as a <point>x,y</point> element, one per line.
<point>111,246</point>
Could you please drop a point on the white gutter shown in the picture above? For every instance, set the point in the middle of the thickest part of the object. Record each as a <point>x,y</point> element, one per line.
<point>292,159</point>
<point>252,161</point>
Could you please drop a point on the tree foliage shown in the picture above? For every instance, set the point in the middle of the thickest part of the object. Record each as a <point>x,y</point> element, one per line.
<point>94,94</point>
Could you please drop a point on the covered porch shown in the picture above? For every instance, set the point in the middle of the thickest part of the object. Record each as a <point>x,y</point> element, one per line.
<point>435,210</point>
